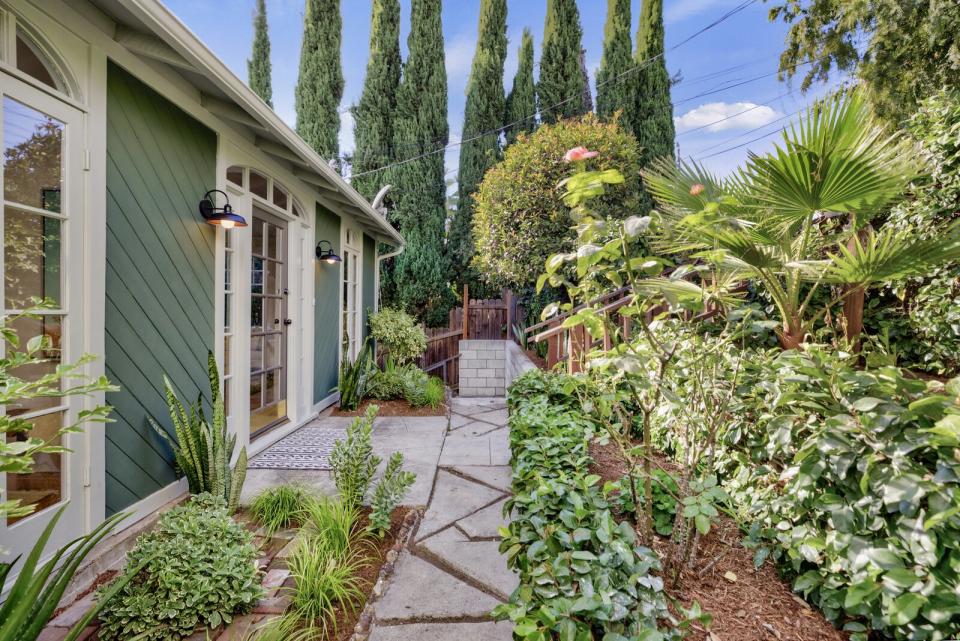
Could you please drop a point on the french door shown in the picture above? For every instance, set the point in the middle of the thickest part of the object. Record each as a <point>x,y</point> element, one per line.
<point>268,323</point>
<point>41,259</point>
<point>351,303</point>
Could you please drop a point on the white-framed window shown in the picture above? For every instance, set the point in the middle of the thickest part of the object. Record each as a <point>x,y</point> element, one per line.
<point>352,273</point>
<point>229,296</point>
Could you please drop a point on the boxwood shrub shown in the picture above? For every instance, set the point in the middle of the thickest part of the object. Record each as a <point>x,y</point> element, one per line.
<point>582,574</point>
<point>201,570</point>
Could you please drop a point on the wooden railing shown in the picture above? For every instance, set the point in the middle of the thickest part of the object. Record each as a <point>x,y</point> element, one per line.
<point>570,345</point>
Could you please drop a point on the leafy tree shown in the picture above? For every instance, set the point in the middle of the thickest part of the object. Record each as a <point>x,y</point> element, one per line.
<point>561,82</point>
<point>912,47</point>
<point>520,220</point>
<point>522,100</point>
<point>258,66</point>
<point>320,84</point>
<point>614,92</point>
<point>767,223</point>
<point>373,115</point>
<point>484,112</point>
<point>653,110</point>
<point>587,96</point>
<point>418,282</point>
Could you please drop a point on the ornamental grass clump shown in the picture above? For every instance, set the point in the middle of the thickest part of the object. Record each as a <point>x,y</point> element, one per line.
<point>196,568</point>
<point>280,507</point>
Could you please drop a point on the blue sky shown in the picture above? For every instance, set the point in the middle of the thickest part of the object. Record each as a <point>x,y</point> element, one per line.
<point>727,70</point>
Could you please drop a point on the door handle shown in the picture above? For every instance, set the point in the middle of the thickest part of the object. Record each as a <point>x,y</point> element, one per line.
<point>288,321</point>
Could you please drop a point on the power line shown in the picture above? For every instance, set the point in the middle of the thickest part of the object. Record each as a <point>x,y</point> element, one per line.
<point>640,65</point>
<point>752,140</point>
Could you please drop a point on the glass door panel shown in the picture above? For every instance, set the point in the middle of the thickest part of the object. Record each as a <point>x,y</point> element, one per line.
<point>268,323</point>
<point>39,201</point>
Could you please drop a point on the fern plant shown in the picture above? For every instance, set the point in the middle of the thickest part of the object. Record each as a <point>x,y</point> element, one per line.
<point>203,450</point>
<point>390,490</point>
<point>353,461</point>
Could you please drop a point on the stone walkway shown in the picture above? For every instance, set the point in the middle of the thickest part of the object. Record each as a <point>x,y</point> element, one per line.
<point>445,585</point>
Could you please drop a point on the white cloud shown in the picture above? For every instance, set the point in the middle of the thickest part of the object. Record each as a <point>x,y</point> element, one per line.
<point>722,116</point>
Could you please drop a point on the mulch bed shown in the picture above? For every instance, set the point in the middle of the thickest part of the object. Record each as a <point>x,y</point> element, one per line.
<point>392,408</point>
<point>747,603</point>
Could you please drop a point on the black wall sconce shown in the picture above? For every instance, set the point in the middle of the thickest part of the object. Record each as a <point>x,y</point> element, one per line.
<point>222,216</point>
<point>327,255</point>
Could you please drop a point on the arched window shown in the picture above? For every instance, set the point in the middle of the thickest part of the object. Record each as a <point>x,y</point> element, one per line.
<point>31,61</point>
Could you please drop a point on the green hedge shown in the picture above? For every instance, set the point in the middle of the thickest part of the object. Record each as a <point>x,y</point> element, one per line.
<point>850,479</point>
<point>582,574</point>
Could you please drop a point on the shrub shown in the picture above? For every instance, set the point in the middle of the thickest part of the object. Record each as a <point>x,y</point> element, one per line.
<point>849,478</point>
<point>280,507</point>
<point>197,567</point>
<point>519,219</point>
<point>582,575</point>
<point>399,335</point>
<point>390,490</point>
<point>352,460</point>
<point>203,450</point>
<point>424,390</point>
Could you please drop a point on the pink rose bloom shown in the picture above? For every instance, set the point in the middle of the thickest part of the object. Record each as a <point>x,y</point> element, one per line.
<point>696,189</point>
<point>579,153</point>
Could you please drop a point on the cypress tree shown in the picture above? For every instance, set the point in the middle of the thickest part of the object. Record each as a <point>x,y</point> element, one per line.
<point>522,101</point>
<point>587,96</point>
<point>484,111</point>
<point>418,281</point>
<point>320,84</point>
<point>373,115</point>
<point>561,86</point>
<point>653,108</point>
<point>613,89</point>
<point>258,66</point>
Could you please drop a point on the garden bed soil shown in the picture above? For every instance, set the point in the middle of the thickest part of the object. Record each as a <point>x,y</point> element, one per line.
<point>747,603</point>
<point>392,408</point>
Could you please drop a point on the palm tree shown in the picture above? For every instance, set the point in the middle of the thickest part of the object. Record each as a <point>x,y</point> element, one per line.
<point>800,217</point>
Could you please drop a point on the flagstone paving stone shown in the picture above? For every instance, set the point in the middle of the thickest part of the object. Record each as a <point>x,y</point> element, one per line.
<point>488,631</point>
<point>453,498</point>
<point>471,560</point>
<point>484,524</point>
<point>420,591</point>
<point>497,476</point>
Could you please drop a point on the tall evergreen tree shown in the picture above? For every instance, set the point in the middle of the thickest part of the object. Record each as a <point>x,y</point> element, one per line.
<point>614,90</point>
<point>484,112</point>
<point>373,115</point>
<point>561,86</point>
<point>522,100</point>
<point>587,96</point>
<point>258,66</point>
<point>653,109</point>
<point>320,84</point>
<point>418,281</point>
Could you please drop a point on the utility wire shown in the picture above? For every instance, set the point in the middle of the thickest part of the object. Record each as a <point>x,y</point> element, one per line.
<point>739,113</point>
<point>743,5</point>
<point>752,140</point>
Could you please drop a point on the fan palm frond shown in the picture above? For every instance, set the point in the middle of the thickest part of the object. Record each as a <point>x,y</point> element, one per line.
<point>890,254</point>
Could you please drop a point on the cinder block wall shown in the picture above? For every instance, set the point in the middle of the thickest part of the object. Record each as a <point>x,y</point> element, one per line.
<point>517,362</point>
<point>483,366</point>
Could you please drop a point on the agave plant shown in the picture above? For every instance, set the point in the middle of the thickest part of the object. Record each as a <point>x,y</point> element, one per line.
<point>799,218</point>
<point>202,450</point>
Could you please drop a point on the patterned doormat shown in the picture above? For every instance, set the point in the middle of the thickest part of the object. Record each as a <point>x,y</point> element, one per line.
<point>306,449</point>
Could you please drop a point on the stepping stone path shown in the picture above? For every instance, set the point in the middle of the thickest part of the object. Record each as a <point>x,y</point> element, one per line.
<point>444,586</point>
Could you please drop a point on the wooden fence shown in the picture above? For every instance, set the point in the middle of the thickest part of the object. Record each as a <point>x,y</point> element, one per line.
<point>480,319</point>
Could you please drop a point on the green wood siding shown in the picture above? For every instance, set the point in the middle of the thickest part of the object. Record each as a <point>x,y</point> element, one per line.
<point>369,263</point>
<point>160,277</point>
<point>326,318</point>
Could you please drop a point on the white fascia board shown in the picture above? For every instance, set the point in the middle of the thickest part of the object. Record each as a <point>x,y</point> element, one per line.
<point>178,36</point>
